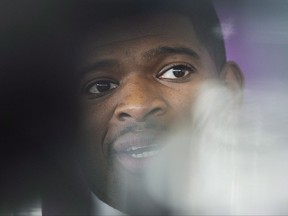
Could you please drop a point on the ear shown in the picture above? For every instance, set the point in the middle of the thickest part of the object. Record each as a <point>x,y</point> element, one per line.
<point>232,76</point>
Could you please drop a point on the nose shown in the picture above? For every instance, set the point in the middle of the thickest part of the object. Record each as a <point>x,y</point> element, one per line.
<point>141,99</point>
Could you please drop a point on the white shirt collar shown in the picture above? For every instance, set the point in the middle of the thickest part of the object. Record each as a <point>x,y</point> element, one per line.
<point>101,208</point>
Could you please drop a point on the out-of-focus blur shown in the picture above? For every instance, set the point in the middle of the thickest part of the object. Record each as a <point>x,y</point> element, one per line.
<point>231,162</point>
<point>234,161</point>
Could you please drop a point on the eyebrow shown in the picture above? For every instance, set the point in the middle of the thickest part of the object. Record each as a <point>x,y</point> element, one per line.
<point>106,63</point>
<point>166,50</point>
<point>152,53</point>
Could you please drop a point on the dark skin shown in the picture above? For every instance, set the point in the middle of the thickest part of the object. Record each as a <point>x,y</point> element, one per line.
<point>141,80</point>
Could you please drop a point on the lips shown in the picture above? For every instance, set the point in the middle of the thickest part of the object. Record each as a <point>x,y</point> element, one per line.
<point>135,150</point>
<point>142,152</point>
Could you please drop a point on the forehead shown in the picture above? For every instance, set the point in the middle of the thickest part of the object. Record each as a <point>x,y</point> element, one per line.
<point>136,26</point>
<point>135,35</point>
<point>117,31</point>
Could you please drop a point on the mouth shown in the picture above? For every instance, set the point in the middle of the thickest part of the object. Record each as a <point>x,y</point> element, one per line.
<point>142,152</point>
<point>135,151</point>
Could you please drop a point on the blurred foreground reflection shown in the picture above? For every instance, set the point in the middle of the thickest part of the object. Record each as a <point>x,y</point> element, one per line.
<point>231,161</point>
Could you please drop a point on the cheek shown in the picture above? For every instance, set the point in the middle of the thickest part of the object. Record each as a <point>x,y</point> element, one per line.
<point>180,103</point>
<point>94,127</point>
<point>96,116</point>
<point>183,100</point>
<point>96,119</point>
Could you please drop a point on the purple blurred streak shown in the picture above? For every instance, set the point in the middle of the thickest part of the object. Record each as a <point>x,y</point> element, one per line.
<point>259,40</point>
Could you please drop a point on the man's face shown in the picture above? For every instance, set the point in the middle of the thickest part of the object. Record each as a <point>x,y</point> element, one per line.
<point>140,79</point>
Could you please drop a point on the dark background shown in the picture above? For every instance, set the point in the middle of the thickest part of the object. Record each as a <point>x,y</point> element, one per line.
<point>38,112</point>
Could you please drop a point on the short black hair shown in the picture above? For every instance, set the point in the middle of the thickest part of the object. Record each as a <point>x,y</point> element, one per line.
<point>204,19</point>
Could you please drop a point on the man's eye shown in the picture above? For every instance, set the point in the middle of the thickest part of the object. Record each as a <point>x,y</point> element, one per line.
<point>101,86</point>
<point>176,72</point>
